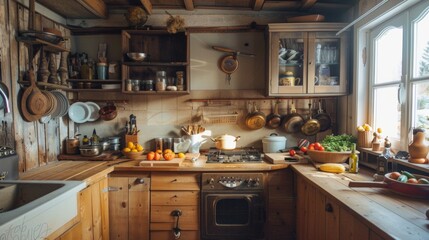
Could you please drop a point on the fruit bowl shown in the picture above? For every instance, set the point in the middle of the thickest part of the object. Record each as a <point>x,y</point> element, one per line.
<point>132,155</point>
<point>329,157</point>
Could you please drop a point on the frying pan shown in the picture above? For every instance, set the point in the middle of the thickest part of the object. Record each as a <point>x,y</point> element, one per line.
<point>255,119</point>
<point>274,118</point>
<point>311,126</point>
<point>323,118</point>
<point>292,122</point>
<point>405,189</point>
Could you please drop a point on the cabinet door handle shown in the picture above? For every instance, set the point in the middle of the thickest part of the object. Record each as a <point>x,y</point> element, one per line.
<point>111,189</point>
<point>174,180</point>
<point>124,204</point>
<point>329,208</point>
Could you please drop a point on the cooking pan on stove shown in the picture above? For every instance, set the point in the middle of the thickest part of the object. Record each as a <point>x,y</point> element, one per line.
<point>405,189</point>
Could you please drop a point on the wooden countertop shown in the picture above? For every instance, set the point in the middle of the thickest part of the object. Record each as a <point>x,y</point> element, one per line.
<point>389,214</point>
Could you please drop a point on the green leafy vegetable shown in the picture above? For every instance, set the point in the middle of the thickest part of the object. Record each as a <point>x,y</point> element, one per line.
<point>338,143</point>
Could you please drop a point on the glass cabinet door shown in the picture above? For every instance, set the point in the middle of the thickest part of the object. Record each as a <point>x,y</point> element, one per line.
<point>325,68</point>
<point>288,62</point>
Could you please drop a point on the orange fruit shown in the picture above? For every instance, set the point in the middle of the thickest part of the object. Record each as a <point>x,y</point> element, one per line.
<point>167,151</point>
<point>150,156</point>
<point>169,156</point>
<point>157,156</point>
<point>159,151</point>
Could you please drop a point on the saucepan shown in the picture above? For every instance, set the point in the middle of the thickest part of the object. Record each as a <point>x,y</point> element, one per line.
<point>108,112</point>
<point>226,142</point>
<point>292,122</point>
<point>311,126</point>
<point>406,189</point>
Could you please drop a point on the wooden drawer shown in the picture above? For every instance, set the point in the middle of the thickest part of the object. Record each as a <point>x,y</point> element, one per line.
<point>168,235</point>
<point>161,218</point>
<point>175,181</point>
<point>176,198</point>
<point>281,183</point>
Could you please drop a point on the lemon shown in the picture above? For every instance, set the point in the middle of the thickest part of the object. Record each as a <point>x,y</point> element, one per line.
<point>134,150</point>
<point>130,145</point>
<point>126,149</point>
<point>379,130</point>
<point>367,128</point>
<point>139,148</point>
<point>181,155</point>
<point>361,129</point>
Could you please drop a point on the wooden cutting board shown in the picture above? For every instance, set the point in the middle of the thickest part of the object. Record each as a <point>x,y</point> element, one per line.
<point>175,162</point>
<point>276,158</point>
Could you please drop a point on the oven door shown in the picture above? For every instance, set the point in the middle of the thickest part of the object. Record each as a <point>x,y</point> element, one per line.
<point>232,215</point>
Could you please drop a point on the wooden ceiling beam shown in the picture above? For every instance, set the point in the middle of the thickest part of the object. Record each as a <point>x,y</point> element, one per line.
<point>257,5</point>
<point>147,5</point>
<point>189,5</point>
<point>307,4</point>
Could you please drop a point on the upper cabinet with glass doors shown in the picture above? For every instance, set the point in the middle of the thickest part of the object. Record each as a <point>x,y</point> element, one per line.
<point>307,59</point>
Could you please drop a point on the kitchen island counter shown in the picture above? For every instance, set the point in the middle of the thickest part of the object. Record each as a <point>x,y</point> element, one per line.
<point>385,213</point>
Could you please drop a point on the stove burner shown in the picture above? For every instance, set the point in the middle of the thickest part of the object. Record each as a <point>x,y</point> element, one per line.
<point>243,155</point>
<point>6,151</point>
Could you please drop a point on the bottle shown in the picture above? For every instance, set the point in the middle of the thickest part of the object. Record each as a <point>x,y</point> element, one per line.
<point>85,140</point>
<point>95,139</point>
<point>353,160</point>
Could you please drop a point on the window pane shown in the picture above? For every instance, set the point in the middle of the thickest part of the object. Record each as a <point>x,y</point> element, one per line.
<point>387,111</point>
<point>421,106</point>
<point>388,56</point>
<point>421,49</point>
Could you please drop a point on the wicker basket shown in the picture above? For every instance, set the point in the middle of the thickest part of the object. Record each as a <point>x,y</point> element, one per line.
<point>329,157</point>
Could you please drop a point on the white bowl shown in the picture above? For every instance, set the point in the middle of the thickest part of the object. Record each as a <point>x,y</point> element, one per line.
<point>94,108</point>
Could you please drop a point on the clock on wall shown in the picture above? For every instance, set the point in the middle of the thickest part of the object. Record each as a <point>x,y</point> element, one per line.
<point>229,63</point>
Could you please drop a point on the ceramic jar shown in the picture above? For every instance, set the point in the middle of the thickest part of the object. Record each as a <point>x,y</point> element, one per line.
<point>418,149</point>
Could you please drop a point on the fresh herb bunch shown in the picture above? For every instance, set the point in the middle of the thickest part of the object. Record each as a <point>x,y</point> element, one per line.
<point>338,143</point>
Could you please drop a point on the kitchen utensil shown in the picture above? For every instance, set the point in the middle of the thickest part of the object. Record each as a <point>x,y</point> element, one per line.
<point>108,112</point>
<point>292,122</point>
<point>90,150</point>
<point>273,143</point>
<point>79,112</point>
<point>137,56</point>
<point>255,119</point>
<point>225,142</point>
<point>274,119</point>
<point>405,189</point>
<point>311,126</point>
<point>323,118</point>
<point>26,114</point>
<point>72,146</point>
<point>105,145</point>
<point>36,101</point>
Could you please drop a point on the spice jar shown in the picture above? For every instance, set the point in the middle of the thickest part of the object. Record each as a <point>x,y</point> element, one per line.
<point>148,85</point>
<point>129,85</point>
<point>161,80</point>
<point>136,85</point>
<point>179,81</point>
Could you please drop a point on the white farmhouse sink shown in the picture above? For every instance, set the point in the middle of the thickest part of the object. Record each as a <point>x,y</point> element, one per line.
<point>35,209</point>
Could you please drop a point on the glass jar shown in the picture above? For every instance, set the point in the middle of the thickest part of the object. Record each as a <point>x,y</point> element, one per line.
<point>149,85</point>
<point>136,85</point>
<point>129,85</point>
<point>161,80</point>
<point>179,81</point>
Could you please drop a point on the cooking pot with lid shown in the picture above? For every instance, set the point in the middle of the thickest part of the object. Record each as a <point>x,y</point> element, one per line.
<point>226,142</point>
<point>273,143</point>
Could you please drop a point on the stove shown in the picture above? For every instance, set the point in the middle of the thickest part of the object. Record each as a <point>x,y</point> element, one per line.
<point>241,155</point>
<point>6,151</point>
<point>9,164</point>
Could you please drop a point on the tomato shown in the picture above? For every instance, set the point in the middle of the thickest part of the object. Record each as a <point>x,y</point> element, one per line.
<point>292,152</point>
<point>412,180</point>
<point>394,175</point>
<point>321,148</point>
<point>317,145</point>
<point>303,149</point>
<point>311,147</point>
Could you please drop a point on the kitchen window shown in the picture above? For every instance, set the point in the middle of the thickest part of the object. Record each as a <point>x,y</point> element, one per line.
<point>399,74</point>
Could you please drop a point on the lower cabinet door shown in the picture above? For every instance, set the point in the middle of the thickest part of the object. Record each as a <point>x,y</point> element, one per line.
<point>169,235</point>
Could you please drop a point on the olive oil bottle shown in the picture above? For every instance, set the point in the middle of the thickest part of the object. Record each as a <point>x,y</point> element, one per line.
<point>353,160</point>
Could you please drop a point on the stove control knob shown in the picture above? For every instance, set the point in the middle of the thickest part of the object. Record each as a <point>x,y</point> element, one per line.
<point>210,181</point>
<point>249,182</point>
<point>256,182</point>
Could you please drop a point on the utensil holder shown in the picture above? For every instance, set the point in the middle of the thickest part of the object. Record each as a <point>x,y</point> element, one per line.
<point>365,139</point>
<point>131,138</point>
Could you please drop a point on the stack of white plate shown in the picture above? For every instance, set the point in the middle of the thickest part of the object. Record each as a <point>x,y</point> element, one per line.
<point>80,112</point>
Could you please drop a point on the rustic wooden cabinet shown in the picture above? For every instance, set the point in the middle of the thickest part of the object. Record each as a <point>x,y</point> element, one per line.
<point>280,222</point>
<point>164,52</point>
<point>307,59</point>
<point>129,206</point>
<point>319,216</point>
<point>93,214</point>
<point>171,192</point>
